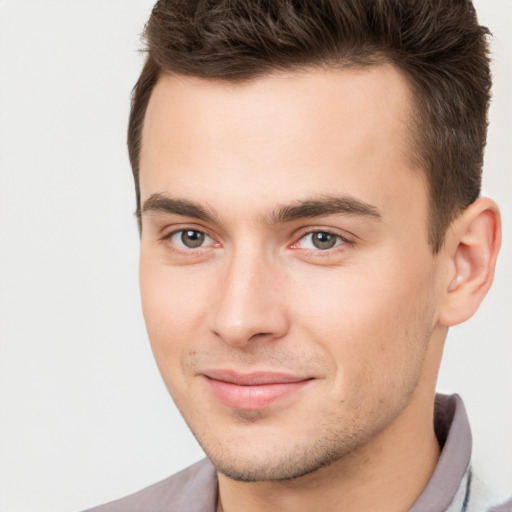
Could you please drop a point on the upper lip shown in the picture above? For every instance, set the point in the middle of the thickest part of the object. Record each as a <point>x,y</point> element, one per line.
<point>253,378</point>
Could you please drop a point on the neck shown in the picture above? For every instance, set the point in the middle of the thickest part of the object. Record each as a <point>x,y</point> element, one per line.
<point>386,474</point>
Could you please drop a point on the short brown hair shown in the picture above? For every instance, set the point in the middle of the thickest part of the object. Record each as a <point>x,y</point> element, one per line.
<point>437,44</point>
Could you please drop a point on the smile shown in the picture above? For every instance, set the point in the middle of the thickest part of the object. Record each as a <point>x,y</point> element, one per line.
<point>252,391</point>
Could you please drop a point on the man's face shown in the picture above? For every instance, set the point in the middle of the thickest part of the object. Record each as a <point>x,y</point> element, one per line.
<point>287,283</point>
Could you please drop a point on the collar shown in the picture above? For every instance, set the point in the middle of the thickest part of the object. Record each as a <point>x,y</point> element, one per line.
<point>451,477</point>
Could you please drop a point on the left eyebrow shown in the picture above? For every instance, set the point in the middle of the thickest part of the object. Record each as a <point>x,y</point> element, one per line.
<point>325,205</point>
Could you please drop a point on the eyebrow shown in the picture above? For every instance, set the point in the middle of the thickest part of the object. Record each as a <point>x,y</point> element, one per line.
<point>308,208</point>
<point>324,205</point>
<point>160,203</point>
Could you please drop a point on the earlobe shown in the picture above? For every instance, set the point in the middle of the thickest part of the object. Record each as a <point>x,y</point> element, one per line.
<point>471,248</point>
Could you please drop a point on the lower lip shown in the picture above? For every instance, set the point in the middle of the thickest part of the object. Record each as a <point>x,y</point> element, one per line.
<point>253,397</point>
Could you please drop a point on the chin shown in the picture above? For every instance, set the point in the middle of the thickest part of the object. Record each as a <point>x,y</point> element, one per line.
<point>261,461</point>
<point>284,472</point>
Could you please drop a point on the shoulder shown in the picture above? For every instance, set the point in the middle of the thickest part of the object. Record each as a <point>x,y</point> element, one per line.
<point>194,489</point>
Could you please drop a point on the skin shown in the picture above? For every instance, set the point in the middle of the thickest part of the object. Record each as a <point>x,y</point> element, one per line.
<point>364,321</point>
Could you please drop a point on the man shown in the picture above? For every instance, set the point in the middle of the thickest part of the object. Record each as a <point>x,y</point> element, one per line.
<point>308,189</point>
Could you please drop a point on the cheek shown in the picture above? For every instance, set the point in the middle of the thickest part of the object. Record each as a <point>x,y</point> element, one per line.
<point>173,316</point>
<point>174,306</point>
<point>374,324</point>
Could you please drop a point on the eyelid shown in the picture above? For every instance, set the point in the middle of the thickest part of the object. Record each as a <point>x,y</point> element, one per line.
<point>343,235</point>
<point>188,227</point>
<point>338,240</point>
<point>170,230</point>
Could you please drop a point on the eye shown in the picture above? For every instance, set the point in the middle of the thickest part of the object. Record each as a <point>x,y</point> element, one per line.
<point>190,238</point>
<point>322,240</point>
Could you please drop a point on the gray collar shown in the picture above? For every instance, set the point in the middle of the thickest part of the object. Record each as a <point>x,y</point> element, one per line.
<point>451,477</point>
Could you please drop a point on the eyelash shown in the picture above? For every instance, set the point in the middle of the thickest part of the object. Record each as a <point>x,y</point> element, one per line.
<point>342,243</point>
<point>182,250</point>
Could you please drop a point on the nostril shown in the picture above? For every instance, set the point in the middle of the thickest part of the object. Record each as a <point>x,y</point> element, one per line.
<point>259,335</point>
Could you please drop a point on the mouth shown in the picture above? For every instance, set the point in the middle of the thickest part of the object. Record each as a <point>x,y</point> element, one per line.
<point>252,391</point>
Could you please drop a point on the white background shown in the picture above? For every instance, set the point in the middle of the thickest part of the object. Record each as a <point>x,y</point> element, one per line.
<point>84,417</point>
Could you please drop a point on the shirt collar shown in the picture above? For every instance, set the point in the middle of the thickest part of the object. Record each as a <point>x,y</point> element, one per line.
<point>454,435</point>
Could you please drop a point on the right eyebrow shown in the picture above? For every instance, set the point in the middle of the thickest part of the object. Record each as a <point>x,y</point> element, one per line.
<point>160,203</point>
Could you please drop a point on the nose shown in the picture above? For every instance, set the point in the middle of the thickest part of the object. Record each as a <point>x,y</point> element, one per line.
<point>249,302</point>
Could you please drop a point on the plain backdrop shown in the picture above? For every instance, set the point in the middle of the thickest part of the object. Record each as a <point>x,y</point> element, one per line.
<point>84,417</point>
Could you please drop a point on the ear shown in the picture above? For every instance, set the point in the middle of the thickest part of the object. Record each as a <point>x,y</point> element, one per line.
<point>471,247</point>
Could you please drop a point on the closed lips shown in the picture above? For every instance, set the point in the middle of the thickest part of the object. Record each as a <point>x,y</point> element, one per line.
<point>252,391</point>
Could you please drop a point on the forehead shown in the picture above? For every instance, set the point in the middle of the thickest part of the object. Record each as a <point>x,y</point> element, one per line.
<point>280,137</point>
